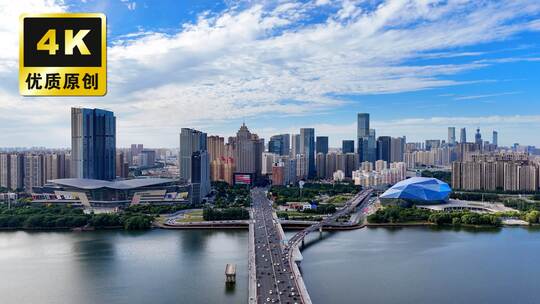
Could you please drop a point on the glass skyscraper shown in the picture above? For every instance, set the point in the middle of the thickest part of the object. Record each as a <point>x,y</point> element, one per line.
<point>347,146</point>
<point>279,144</point>
<point>367,145</point>
<point>93,144</point>
<point>322,144</point>
<point>307,148</point>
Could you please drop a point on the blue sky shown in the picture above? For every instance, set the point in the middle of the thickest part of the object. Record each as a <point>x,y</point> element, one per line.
<point>417,66</point>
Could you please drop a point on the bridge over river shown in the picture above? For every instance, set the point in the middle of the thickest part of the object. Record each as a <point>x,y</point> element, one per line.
<point>274,276</point>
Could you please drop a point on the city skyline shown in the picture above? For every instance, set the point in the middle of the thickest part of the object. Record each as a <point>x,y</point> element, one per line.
<point>411,87</point>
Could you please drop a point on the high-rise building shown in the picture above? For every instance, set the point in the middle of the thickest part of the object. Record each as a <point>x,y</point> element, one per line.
<point>322,144</point>
<point>496,171</point>
<point>279,144</point>
<point>191,141</point>
<point>397,149</point>
<point>93,144</point>
<point>363,137</point>
<point>268,160</point>
<point>383,148</point>
<point>463,136</point>
<point>245,151</point>
<point>216,147</point>
<point>194,162</point>
<point>4,171</point>
<point>351,163</point>
<point>451,135</point>
<point>33,171</point>
<point>295,144</point>
<point>248,152</point>
<point>347,146</point>
<point>362,125</point>
<point>495,139</point>
<point>301,166</point>
<point>307,147</point>
<point>320,162</point>
<point>278,174</point>
<point>54,166</point>
<point>16,167</point>
<point>147,158</point>
<point>433,144</point>
<point>200,175</point>
<point>122,166</point>
<point>331,167</point>
<point>478,138</point>
<point>258,144</point>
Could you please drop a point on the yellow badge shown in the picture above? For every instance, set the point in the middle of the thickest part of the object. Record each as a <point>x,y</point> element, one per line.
<point>63,55</point>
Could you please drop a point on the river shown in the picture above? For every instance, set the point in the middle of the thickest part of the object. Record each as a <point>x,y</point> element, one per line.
<point>376,265</point>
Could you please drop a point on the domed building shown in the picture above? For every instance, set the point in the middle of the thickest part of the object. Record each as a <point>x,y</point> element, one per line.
<point>417,190</point>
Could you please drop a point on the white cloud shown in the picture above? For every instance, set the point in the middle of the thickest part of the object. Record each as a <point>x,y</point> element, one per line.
<point>481,96</point>
<point>261,59</point>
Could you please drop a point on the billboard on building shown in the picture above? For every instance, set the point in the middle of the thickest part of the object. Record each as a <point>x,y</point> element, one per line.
<point>243,178</point>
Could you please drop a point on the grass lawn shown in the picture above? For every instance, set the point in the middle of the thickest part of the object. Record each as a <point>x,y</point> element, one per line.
<point>194,216</point>
<point>339,200</point>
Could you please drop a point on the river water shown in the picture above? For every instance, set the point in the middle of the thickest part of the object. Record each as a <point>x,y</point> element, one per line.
<point>411,265</point>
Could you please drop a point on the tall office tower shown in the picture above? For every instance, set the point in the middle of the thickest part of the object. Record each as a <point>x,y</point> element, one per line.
<point>280,144</point>
<point>301,166</point>
<point>463,136</point>
<point>351,163</point>
<point>200,175</point>
<point>216,147</point>
<point>451,135</point>
<point>478,138</point>
<point>322,144</point>
<point>362,125</point>
<point>362,136</point>
<point>372,146</point>
<point>4,171</point>
<point>307,147</point>
<point>331,159</point>
<point>245,151</point>
<point>295,144</point>
<point>194,162</point>
<point>495,139</point>
<point>347,146</point>
<point>191,141</point>
<point>93,144</point>
<point>320,162</point>
<point>16,168</point>
<point>258,144</point>
<point>33,171</point>
<point>383,148</point>
<point>397,149</point>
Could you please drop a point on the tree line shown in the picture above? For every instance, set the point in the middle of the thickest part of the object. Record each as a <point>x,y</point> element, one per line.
<point>62,217</point>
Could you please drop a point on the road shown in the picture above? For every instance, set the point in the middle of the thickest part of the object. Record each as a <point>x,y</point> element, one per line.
<point>275,280</point>
<point>360,199</point>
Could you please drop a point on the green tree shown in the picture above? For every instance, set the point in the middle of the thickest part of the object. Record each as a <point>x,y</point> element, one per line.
<point>532,217</point>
